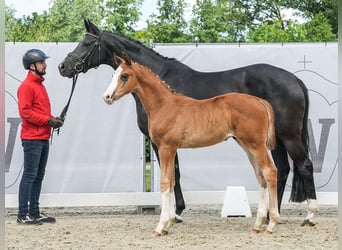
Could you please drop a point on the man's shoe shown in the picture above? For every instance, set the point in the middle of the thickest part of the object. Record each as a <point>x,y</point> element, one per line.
<point>43,218</point>
<point>28,220</point>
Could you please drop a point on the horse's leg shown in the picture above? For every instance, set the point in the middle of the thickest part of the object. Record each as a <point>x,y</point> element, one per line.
<point>303,170</point>
<point>180,204</point>
<point>167,182</point>
<point>279,155</point>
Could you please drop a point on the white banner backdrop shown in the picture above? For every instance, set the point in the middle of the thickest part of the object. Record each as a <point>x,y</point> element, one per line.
<point>99,148</point>
<point>225,164</point>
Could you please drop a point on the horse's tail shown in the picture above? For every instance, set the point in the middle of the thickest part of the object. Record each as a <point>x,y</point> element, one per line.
<point>270,140</point>
<point>297,191</point>
<point>305,133</point>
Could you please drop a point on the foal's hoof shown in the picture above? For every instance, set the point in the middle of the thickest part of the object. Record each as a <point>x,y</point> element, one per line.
<point>308,223</point>
<point>178,219</point>
<point>267,232</point>
<point>255,231</point>
<point>156,234</point>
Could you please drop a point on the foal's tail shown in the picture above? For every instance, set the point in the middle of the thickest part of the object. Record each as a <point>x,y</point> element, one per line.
<point>271,140</point>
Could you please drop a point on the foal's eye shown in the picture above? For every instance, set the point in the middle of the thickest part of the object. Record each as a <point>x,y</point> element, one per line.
<point>124,77</point>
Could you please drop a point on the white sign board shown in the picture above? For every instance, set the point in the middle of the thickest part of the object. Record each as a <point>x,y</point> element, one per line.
<point>100,148</point>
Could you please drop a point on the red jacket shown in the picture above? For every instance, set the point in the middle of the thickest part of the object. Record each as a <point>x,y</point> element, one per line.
<point>34,108</point>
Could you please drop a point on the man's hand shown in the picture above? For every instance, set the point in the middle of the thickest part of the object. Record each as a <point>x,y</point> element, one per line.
<point>55,122</point>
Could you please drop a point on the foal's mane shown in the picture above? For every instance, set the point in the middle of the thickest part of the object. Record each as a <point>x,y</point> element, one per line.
<point>163,83</point>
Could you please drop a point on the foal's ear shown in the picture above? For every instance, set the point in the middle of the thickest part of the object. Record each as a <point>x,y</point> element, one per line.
<point>118,60</point>
<point>126,58</point>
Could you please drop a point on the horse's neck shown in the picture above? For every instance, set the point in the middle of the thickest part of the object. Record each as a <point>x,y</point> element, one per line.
<point>152,92</point>
<point>143,55</point>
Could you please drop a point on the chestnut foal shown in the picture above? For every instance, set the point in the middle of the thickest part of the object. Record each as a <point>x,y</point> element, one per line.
<point>177,121</point>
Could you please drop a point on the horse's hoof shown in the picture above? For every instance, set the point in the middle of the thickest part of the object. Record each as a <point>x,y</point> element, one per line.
<point>156,234</point>
<point>255,231</point>
<point>267,232</point>
<point>178,219</point>
<point>307,223</point>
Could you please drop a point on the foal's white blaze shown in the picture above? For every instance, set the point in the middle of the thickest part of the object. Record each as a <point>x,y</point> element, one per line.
<point>107,96</point>
<point>167,214</point>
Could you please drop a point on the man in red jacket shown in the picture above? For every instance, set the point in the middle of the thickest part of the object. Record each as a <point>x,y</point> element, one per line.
<point>37,123</point>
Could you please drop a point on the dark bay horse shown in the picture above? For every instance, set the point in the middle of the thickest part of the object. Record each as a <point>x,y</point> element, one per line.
<point>286,93</point>
<point>177,121</point>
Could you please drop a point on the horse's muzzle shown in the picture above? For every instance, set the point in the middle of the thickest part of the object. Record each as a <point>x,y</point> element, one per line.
<point>64,72</point>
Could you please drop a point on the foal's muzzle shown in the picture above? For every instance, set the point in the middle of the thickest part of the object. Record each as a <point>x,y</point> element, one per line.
<point>109,99</point>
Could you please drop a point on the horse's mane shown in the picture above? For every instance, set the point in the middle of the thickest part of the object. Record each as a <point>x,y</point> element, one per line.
<point>138,43</point>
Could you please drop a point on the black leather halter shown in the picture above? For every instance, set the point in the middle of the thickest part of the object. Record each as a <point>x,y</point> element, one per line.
<point>81,63</point>
<point>80,66</point>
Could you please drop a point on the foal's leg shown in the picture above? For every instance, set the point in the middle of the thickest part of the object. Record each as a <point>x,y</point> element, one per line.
<point>167,182</point>
<point>180,204</point>
<point>269,172</point>
<point>262,206</point>
<point>167,214</point>
<point>262,210</point>
<point>304,177</point>
<point>266,173</point>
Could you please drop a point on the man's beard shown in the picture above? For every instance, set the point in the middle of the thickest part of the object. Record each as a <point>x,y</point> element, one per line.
<point>41,73</point>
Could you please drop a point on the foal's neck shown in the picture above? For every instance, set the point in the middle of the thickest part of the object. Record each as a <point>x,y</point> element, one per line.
<point>152,91</point>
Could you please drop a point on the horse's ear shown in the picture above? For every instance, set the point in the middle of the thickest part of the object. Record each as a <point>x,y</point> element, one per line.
<point>90,27</point>
<point>126,58</point>
<point>86,24</point>
<point>118,60</point>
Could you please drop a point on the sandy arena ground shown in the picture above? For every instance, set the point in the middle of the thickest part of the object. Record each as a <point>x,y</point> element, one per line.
<point>203,228</point>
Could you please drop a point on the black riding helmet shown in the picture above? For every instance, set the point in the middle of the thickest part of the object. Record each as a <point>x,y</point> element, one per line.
<point>33,56</point>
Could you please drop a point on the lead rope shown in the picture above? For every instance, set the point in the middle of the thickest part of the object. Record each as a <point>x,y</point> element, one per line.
<point>65,109</point>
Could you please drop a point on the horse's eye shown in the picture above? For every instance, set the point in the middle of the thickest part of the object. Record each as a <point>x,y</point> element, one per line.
<point>124,77</point>
<point>86,43</point>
